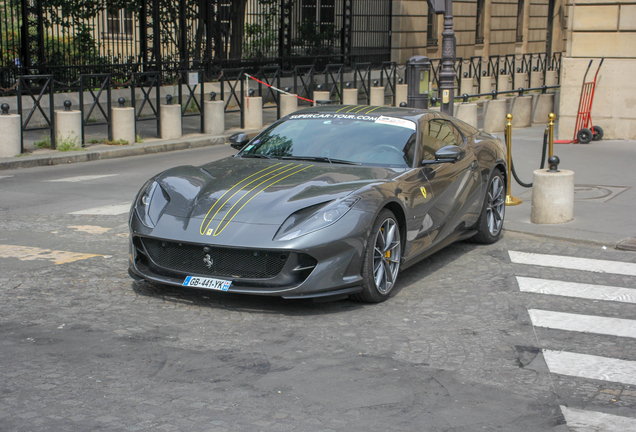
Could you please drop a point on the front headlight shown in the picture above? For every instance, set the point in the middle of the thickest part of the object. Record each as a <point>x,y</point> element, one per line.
<point>150,203</point>
<point>314,218</point>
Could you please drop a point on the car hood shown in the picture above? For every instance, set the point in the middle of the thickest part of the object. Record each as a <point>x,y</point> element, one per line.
<point>259,191</point>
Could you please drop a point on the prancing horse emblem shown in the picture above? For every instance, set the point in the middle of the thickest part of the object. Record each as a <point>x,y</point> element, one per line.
<point>207,259</point>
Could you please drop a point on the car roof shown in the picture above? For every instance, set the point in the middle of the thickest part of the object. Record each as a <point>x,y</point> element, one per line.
<point>405,113</point>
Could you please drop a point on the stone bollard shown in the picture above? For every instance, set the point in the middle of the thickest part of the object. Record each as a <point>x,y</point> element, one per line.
<point>520,80</point>
<point>350,96</point>
<point>402,93</point>
<point>485,85</point>
<point>253,112</point>
<point>10,133</point>
<point>494,115</point>
<point>123,119</point>
<point>536,79</point>
<point>551,78</point>
<point>543,106</point>
<point>521,110</point>
<point>170,120</point>
<point>214,116</point>
<point>504,83</point>
<point>552,195</point>
<point>320,94</point>
<point>288,104</point>
<point>68,126</point>
<point>466,86</point>
<point>467,112</point>
<point>377,95</point>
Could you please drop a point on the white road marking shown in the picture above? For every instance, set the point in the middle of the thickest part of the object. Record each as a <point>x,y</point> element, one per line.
<point>572,263</point>
<point>591,367</point>
<point>89,229</point>
<point>26,253</point>
<point>109,210</point>
<point>579,290</point>
<point>583,323</point>
<point>81,178</point>
<point>592,421</point>
<point>5,176</point>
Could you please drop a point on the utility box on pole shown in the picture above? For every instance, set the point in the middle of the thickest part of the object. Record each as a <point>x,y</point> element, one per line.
<point>418,71</point>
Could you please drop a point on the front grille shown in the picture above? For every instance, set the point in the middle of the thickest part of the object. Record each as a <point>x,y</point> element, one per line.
<point>227,262</point>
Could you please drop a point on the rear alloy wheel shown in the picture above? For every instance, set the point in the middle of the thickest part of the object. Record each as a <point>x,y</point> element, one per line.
<point>490,223</point>
<point>382,259</point>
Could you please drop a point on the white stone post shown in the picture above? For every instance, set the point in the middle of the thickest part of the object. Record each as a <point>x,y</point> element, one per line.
<point>253,112</point>
<point>467,112</point>
<point>495,115</point>
<point>552,197</point>
<point>320,96</point>
<point>68,126</point>
<point>521,110</point>
<point>485,85</point>
<point>123,125</point>
<point>377,96</point>
<point>536,79</point>
<point>288,104</point>
<point>10,133</point>
<point>171,121</point>
<point>504,83</point>
<point>466,86</point>
<point>520,81</point>
<point>544,105</point>
<point>402,93</point>
<point>551,78</point>
<point>214,120</point>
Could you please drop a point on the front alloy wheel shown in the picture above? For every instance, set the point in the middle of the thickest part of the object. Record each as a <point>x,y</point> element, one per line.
<point>490,223</point>
<point>382,259</point>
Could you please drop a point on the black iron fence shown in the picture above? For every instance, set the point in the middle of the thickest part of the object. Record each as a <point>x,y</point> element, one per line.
<point>71,38</point>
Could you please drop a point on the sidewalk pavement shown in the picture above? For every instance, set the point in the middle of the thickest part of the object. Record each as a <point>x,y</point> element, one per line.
<point>605,180</point>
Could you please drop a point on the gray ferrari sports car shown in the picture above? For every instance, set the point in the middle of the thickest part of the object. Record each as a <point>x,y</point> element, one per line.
<point>328,201</point>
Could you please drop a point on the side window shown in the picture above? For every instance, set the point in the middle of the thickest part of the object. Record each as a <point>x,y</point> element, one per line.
<point>438,133</point>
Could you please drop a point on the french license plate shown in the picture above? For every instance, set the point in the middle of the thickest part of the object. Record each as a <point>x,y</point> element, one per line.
<point>207,283</point>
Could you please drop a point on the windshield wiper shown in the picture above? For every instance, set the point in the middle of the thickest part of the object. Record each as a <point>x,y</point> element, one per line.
<point>254,155</point>
<point>321,159</point>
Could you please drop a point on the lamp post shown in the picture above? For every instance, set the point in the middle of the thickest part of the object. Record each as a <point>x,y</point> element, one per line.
<point>447,74</point>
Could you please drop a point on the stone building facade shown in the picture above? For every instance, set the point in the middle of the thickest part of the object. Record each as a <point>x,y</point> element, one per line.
<point>582,31</point>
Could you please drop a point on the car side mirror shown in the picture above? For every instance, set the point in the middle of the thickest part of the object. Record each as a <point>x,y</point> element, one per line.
<point>447,154</point>
<point>239,140</point>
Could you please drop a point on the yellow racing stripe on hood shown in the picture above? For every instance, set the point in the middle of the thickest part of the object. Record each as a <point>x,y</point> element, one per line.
<point>223,224</point>
<point>237,187</point>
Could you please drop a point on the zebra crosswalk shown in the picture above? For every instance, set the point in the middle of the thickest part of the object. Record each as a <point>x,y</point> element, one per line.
<point>580,364</point>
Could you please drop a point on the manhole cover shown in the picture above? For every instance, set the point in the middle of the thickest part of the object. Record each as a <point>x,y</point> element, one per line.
<point>628,245</point>
<point>596,193</point>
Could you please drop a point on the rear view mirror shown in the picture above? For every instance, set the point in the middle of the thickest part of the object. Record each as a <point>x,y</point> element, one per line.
<point>238,140</point>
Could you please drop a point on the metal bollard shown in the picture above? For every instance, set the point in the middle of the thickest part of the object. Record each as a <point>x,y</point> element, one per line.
<point>551,135</point>
<point>510,200</point>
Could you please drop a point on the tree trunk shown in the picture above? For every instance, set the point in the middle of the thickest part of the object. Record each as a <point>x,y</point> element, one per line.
<point>238,28</point>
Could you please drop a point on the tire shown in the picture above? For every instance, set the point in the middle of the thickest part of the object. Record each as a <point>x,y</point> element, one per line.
<point>584,136</point>
<point>381,260</point>
<point>597,133</point>
<point>490,222</point>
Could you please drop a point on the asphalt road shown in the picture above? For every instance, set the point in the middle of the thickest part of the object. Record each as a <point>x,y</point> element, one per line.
<point>84,347</point>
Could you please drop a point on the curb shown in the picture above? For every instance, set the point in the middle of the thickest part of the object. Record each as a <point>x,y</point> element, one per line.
<point>103,151</point>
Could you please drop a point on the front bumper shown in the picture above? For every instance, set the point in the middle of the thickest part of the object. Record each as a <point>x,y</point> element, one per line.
<point>327,262</point>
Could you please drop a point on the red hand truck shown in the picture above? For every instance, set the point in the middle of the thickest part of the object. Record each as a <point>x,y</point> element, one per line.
<point>584,130</point>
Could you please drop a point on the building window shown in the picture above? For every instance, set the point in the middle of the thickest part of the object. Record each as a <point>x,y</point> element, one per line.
<point>520,21</point>
<point>119,23</point>
<point>431,28</point>
<point>479,23</point>
<point>319,12</point>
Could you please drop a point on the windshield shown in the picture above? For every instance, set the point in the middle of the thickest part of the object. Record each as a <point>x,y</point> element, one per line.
<point>330,137</point>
